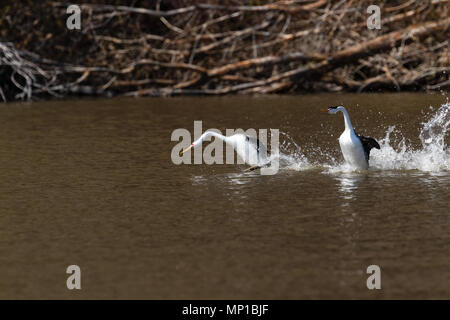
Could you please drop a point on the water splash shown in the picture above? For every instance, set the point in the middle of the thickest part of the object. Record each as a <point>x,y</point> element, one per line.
<point>433,155</point>
<point>291,155</point>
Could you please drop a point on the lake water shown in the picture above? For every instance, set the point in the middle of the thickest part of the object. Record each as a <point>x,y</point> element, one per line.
<point>91,183</point>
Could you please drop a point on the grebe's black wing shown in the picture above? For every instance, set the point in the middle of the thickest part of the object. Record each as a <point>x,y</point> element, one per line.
<point>368,144</point>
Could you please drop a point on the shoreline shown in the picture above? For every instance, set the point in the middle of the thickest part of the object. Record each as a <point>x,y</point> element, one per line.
<point>190,49</point>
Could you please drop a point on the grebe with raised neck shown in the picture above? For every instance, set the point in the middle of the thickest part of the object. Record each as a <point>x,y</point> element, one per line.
<point>355,148</point>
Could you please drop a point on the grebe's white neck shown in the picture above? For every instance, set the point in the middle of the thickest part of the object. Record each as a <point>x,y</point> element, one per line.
<point>348,123</point>
<point>207,134</point>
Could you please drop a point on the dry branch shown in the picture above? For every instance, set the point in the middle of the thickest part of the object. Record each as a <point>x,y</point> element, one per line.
<point>161,48</point>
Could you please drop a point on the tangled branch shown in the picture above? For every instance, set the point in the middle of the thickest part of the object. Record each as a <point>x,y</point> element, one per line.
<point>215,48</point>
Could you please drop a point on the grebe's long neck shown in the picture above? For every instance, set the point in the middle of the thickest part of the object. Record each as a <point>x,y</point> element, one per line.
<point>348,123</point>
<point>209,134</point>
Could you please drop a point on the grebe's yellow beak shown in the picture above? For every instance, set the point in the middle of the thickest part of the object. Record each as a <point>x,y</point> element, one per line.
<point>186,150</point>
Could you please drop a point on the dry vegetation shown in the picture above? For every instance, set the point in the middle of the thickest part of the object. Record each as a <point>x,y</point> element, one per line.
<point>212,47</point>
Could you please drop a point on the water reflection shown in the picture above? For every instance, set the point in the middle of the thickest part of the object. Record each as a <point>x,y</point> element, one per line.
<point>240,178</point>
<point>349,183</point>
<point>199,180</point>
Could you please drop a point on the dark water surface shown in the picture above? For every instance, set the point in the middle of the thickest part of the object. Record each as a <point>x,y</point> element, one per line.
<point>91,183</point>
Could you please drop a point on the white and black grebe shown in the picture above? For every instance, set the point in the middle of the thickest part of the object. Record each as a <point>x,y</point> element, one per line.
<point>355,148</point>
<point>249,149</point>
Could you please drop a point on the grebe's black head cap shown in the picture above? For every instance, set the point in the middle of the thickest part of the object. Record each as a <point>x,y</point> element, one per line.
<point>332,110</point>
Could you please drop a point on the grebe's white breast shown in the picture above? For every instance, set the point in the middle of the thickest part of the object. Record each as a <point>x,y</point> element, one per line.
<point>352,150</point>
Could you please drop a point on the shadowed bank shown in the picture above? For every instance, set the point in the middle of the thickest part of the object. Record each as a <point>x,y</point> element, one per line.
<point>186,47</point>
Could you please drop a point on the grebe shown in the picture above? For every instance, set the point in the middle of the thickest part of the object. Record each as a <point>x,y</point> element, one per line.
<point>249,149</point>
<point>355,148</point>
